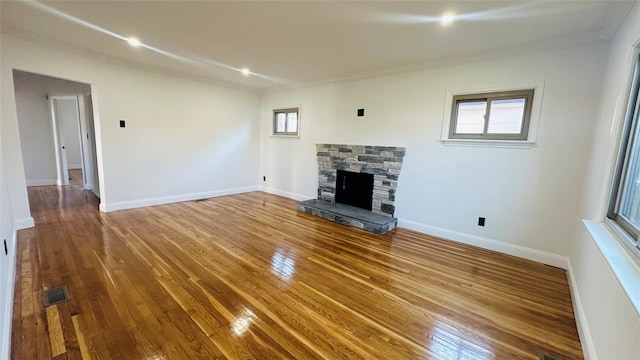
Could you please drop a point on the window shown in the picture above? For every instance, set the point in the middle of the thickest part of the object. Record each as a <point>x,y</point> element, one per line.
<point>491,116</point>
<point>285,122</point>
<point>624,202</point>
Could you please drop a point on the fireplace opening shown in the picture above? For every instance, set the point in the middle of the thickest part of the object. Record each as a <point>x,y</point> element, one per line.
<point>355,189</point>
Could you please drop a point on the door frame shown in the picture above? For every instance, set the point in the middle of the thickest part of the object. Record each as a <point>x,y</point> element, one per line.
<point>62,167</point>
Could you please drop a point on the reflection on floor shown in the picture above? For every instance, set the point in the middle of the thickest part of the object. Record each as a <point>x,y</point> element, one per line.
<point>248,277</point>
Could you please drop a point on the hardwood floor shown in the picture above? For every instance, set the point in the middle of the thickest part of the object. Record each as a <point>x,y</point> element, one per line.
<point>75,177</point>
<point>247,276</point>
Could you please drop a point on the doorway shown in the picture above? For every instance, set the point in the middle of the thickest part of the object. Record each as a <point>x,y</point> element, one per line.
<point>67,139</point>
<point>57,132</point>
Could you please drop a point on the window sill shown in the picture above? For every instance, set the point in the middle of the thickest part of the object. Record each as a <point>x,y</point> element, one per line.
<point>517,144</point>
<point>293,137</point>
<point>623,264</point>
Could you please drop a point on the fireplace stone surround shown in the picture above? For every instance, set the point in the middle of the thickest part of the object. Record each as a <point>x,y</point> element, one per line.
<point>383,162</point>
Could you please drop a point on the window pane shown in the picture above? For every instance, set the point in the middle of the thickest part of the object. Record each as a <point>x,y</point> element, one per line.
<point>470,118</point>
<point>292,123</point>
<point>281,120</point>
<point>506,116</point>
<point>630,200</point>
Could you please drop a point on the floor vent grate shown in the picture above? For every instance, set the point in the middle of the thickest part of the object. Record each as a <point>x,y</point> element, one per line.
<point>547,356</point>
<point>55,296</point>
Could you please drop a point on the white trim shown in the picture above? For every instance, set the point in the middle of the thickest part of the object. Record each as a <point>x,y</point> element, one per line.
<point>292,137</point>
<point>534,122</point>
<point>485,243</point>
<point>5,342</point>
<point>517,144</point>
<point>122,205</point>
<point>290,195</point>
<point>74,166</point>
<point>42,182</point>
<point>588,348</point>
<point>24,223</point>
<point>621,262</point>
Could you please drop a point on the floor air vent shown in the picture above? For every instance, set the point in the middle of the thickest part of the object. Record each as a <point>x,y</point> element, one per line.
<point>55,296</point>
<point>547,356</point>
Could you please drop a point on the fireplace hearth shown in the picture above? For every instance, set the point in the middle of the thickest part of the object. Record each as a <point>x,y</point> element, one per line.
<point>357,185</point>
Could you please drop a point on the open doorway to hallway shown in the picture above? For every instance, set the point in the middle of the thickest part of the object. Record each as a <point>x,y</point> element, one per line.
<point>57,132</point>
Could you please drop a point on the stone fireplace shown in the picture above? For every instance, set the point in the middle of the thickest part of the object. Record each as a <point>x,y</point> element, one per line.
<point>343,173</point>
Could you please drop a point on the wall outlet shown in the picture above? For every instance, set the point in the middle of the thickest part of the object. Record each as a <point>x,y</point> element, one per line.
<point>481,221</point>
<point>264,178</point>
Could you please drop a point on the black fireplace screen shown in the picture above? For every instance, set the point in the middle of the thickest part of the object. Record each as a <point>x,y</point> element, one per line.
<point>355,189</point>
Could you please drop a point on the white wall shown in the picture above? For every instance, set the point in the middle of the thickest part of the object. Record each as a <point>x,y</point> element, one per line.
<point>184,139</point>
<point>8,233</point>
<point>36,130</point>
<point>526,195</point>
<point>7,268</point>
<point>612,320</point>
<point>69,122</point>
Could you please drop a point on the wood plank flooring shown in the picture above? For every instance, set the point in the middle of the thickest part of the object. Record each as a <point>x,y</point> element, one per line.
<point>248,277</point>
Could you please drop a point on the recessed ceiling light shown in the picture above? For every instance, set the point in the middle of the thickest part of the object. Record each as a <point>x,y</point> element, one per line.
<point>133,42</point>
<point>245,71</point>
<point>447,18</point>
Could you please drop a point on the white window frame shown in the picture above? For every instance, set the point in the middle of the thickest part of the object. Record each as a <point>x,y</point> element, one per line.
<point>274,115</point>
<point>626,232</point>
<point>614,242</point>
<point>534,119</point>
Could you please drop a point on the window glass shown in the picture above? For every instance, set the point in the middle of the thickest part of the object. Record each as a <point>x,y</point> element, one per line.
<point>281,122</point>
<point>630,200</point>
<point>503,115</point>
<point>471,117</point>
<point>292,122</point>
<point>506,116</point>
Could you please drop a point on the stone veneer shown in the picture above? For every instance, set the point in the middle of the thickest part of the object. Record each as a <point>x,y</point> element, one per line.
<point>384,162</point>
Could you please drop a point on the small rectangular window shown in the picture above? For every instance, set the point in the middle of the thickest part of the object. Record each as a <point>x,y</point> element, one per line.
<point>491,116</point>
<point>285,122</point>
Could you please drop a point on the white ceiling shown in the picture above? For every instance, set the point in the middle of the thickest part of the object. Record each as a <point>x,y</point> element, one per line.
<point>294,42</point>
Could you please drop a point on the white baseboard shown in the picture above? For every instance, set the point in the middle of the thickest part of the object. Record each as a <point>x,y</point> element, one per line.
<point>123,205</point>
<point>7,300</point>
<point>588,348</point>
<point>286,194</point>
<point>74,167</point>
<point>42,182</point>
<point>485,243</point>
<point>24,223</point>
